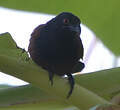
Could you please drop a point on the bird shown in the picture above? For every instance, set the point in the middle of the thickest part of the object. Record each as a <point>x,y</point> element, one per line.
<point>56,46</point>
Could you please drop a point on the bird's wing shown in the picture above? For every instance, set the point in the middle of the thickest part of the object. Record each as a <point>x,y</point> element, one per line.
<point>35,34</point>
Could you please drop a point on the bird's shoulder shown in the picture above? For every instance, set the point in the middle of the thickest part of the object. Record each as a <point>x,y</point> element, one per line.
<point>36,32</point>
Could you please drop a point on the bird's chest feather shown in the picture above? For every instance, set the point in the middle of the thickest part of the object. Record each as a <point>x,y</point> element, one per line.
<point>57,45</point>
<point>63,44</point>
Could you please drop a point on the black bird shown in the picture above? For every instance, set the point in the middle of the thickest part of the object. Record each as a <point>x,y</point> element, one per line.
<point>56,46</point>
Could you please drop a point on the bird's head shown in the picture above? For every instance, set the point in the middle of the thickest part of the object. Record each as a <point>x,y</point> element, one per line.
<point>67,21</point>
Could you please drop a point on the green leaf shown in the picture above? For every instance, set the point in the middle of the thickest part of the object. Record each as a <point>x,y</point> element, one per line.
<point>29,97</point>
<point>7,41</point>
<point>105,83</point>
<point>12,64</point>
<point>101,16</point>
<point>4,86</point>
<point>23,94</point>
<point>44,105</point>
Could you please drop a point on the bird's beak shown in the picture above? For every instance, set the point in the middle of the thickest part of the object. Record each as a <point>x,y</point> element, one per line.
<point>76,29</point>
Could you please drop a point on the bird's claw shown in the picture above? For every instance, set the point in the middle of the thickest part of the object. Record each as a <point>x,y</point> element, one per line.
<point>71,82</point>
<point>51,77</point>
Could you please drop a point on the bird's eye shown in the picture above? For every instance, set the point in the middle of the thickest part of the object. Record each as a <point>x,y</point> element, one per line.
<point>65,21</point>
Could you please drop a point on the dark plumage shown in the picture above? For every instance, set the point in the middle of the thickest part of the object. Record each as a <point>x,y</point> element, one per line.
<point>57,47</point>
